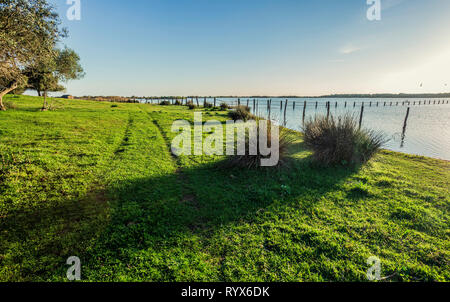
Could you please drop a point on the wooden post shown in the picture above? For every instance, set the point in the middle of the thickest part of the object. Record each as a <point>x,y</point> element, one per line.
<point>254,106</point>
<point>214,102</point>
<point>197,102</point>
<point>248,102</point>
<point>336,105</point>
<point>328,110</point>
<point>317,103</point>
<point>304,113</point>
<point>345,105</point>
<point>270,107</point>
<point>361,116</point>
<point>293,106</point>
<point>406,122</point>
<point>354,104</point>
<point>285,109</point>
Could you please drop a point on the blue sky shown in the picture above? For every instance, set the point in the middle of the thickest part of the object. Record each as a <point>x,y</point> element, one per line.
<point>259,47</point>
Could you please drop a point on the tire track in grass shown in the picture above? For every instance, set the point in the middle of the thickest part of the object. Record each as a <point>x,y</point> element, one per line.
<point>189,196</point>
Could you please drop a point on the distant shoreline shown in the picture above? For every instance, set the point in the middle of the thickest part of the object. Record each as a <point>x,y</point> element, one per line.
<point>342,96</point>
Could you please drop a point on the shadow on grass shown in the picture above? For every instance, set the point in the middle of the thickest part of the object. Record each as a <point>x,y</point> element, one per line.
<point>157,212</point>
<point>154,212</point>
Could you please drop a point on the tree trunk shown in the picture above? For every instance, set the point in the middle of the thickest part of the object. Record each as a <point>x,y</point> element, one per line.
<point>39,93</point>
<point>44,106</point>
<point>4,92</point>
<point>2,108</point>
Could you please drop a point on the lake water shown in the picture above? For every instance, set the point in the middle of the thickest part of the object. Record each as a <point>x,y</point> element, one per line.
<point>427,132</point>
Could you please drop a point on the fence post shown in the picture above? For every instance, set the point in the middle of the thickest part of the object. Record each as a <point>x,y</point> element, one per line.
<point>285,109</point>
<point>361,116</point>
<point>328,110</point>
<point>304,112</point>
<point>270,107</point>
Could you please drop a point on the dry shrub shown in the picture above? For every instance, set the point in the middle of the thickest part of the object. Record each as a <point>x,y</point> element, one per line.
<point>241,113</point>
<point>340,141</point>
<point>247,161</point>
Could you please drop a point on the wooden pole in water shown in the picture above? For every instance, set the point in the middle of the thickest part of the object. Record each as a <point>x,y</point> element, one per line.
<point>354,104</point>
<point>406,121</point>
<point>254,106</point>
<point>197,102</point>
<point>285,109</point>
<point>248,102</point>
<point>317,103</point>
<point>328,110</point>
<point>270,105</point>
<point>293,106</point>
<point>304,113</point>
<point>361,116</point>
<point>345,105</point>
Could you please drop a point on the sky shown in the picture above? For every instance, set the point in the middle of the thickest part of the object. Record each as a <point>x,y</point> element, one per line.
<point>259,47</point>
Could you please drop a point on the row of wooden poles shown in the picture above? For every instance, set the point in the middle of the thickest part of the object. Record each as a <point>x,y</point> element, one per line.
<point>269,102</point>
<point>328,105</point>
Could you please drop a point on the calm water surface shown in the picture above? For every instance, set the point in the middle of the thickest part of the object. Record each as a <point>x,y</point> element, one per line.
<point>427,132</point>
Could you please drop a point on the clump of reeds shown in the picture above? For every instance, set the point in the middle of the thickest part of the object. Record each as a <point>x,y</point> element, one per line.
<point>340,140</point>
<point>241,113</point>
<point>248,161</point>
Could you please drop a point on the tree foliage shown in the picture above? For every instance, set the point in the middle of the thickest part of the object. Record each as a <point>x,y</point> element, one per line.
<point>29,31</point>
<point>46,75</point>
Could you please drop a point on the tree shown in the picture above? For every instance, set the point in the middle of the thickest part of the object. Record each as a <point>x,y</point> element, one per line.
<point>29,31</point>
<point>46,75</point>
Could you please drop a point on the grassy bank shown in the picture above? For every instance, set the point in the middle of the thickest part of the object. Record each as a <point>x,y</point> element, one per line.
<point>98,181</point>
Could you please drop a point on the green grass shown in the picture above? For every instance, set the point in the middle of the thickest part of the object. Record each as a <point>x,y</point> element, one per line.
<point>97,181</point>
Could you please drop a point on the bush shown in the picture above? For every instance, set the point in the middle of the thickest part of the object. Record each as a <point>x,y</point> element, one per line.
<point>208,105</point>
<point>241,113</point>
<point>340,141</point>
<point>178,103</point>
<point>191,106</point>
<point>224,106</point>
<point>114,106</point>
<point>164,103</point>
<point>247,161</point>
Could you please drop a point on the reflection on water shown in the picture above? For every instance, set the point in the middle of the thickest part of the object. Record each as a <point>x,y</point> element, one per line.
<point>427,131</point>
